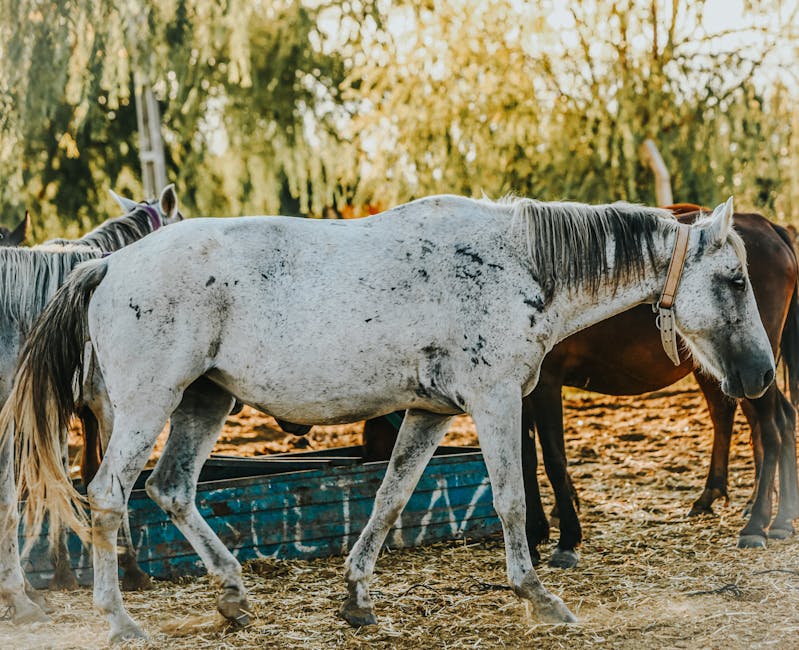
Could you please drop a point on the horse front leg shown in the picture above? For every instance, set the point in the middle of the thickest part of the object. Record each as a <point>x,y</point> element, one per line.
<point>722,414</point>
<point>497,415</point>
<point>133,577</point>
<point>420,434</point>
<point>537,524</point>
<point>548,406</point>
<point>753,534</point>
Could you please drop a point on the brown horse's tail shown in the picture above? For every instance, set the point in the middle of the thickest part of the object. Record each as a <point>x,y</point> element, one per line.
<point>789,342</point>
<point>42,403</point>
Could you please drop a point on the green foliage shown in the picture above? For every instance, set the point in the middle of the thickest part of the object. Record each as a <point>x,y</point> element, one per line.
<point>545,101</point>
<point>246,92</point>
<point>293,105</point>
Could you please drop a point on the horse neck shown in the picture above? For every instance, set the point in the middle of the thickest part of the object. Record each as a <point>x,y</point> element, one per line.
<point>118,233</point>
<point>582,307</point>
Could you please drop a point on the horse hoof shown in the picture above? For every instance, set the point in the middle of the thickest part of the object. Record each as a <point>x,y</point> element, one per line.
<point>780,533</point>
<point>563,558</point>
<point>751,541</point>
<point>39,599</point>
<point>700,509</point>
<point>234,607</point>
<point>136,581</point>
<point>27,614</point>
<point>127,632</point>
<point>552,610</point>
<point>64,582</point>
<point>357,616</point>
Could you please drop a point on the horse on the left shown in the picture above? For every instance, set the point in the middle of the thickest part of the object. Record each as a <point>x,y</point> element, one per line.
<point>28,279</point>
<point>13,238</point>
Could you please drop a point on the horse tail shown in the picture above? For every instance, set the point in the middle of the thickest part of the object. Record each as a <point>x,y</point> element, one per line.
<point>42,402</point>
<point>789,342</point>
<point>92,455</point>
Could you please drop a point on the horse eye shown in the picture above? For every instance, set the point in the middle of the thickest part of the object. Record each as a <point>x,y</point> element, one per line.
<point>738,282</point>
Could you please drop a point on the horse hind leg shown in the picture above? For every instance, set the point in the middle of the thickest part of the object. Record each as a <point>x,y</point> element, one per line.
<point>196,424</point>
<point>136,428</point>
<point>788,510</point>
<point>27,605</point>
<point>97,419</point>
<point>419,435</point>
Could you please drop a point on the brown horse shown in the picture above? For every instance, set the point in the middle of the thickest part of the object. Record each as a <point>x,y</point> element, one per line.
<point>624,356</point>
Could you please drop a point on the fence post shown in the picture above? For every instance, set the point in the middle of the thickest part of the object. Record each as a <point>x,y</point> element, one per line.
<point>650,153</point>
<point>151,147</point>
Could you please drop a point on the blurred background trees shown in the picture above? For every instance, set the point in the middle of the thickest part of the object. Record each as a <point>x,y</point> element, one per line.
<point>292,106</point>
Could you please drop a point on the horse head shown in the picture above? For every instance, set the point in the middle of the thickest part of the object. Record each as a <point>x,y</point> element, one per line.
<point>166,205</point>
<point>14,238</point>
<point>715,310</point>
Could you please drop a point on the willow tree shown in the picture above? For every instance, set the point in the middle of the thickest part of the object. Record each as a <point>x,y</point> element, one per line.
<point>245,91</point>
<point>554,99</point>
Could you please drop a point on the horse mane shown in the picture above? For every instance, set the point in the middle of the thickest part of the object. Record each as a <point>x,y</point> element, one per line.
<point>568,242</point>
<point>29,277</point>
<point>113,234</point>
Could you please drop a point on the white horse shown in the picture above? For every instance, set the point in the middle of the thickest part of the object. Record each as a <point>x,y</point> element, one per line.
<point>442,306</point>
<point>28,279</point>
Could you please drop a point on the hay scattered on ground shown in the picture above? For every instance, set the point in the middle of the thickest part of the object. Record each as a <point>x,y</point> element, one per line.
<point>648,577</point>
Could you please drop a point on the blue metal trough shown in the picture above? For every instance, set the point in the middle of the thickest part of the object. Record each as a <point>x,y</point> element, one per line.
<point>299,505</point>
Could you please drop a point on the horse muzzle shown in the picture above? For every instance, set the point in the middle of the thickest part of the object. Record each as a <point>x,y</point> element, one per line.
<point>749,379</point>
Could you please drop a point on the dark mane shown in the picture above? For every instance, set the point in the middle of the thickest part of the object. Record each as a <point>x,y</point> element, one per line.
<point>568,242</point>
<point>114,233</point>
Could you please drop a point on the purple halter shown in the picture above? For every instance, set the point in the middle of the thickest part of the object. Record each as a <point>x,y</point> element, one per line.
<point>155,218</point>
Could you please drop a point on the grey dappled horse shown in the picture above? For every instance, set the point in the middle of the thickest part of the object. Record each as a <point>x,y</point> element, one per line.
<point>442,306</point>
<point>28,279</point>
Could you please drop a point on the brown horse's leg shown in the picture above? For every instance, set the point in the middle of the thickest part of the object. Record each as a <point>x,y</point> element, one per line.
<point>753,534</point>
<point>380,435</point>
<point>536,523</point>
<point>782,526</point>
<point>757,451</point>
<point>134,577</point>
<point>722,413</point>
<point>63,578</point>
<point>548,406</point>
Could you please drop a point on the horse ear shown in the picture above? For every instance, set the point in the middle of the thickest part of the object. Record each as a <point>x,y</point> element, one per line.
<point>20,233</point>
<point>721,221</point>
<point>169,204</point>
<point>128,205</point>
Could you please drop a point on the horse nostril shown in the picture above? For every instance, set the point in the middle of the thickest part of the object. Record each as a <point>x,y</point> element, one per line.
<point>768,377</point>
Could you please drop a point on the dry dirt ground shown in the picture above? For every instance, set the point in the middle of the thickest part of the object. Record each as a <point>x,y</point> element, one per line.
<point>649,576</point>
